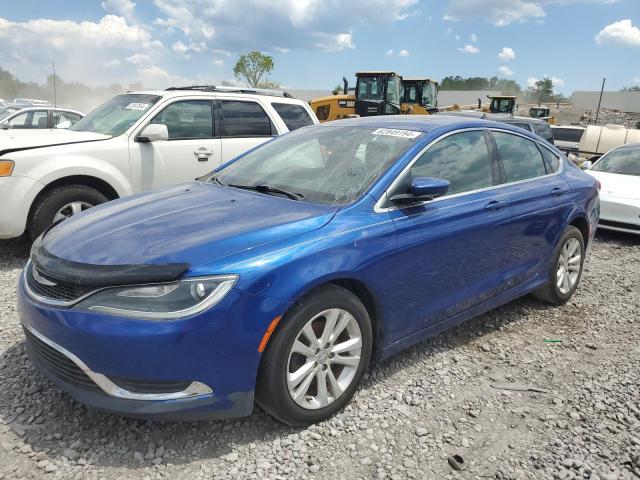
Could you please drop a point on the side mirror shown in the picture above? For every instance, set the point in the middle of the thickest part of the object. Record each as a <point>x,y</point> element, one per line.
<point>586,165</point>
<point>5,126</point>
<point>154,132</point>
<point>423,188</point>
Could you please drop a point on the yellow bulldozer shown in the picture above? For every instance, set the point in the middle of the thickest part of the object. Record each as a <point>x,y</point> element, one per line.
<point>376,93</point>
<point>543,113</point>
<point>418,96</point>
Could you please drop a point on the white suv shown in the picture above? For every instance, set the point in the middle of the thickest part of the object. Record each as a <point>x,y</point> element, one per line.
<point>134,142</point>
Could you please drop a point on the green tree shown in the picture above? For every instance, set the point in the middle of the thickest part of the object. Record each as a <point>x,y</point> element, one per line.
<point>507,87</point>
<point>635,88</point>
<point>253,67</point>
<point>542,91</point>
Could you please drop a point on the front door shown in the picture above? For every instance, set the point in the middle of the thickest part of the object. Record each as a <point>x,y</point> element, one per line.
<point>449,250</point>
<point>191,151</point>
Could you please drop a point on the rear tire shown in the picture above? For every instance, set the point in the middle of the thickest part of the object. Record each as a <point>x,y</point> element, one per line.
<point>332,371</point>
<point>565,270</point>
<point>56,199</point>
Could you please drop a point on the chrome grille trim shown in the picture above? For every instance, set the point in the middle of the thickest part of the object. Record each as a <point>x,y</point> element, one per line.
<point>107,386</point>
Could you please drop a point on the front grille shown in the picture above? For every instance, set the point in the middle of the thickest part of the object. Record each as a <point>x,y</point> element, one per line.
<point>611,223</point>
<point>139,386</point>
<point>58,364</point>
<point>60,291</point>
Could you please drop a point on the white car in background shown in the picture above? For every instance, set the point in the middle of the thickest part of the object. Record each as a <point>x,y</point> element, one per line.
<point>618,172</point>
<point>38,118</point>
<point>567,137</point>
<point>135,142</point>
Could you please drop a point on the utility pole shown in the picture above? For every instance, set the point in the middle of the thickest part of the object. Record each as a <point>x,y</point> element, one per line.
<point>55,96</point>
<point>600,100</point>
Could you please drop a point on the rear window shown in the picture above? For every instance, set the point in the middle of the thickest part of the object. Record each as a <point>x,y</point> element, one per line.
<point>567,134</point>
<point>245,119</point>
<point>293,116</point>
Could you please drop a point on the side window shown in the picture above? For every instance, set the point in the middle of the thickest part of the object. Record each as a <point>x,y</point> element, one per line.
<point>188,119</point>
<point>40,119</point>
<point>293,116</point>
<point>245,119</point>
<point>551,160</point>
<point>520,157</point>
<point>20,121</point>
<point>462,158</point>
<point>64,119</point>
<point>73,117</point>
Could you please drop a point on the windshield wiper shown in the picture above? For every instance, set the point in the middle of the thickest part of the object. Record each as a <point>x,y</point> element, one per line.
<point>269,189</point>
<point>215,179</point>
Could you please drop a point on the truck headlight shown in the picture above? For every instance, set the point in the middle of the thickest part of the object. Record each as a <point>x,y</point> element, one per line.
<point>162,301</point>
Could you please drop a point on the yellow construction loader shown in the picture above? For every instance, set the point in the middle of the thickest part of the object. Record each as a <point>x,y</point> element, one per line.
<point>376,93</point>
<point>419,96</point>
<point>543,113</point>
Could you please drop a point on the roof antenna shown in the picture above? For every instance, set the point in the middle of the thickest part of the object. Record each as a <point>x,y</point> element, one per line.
<point>55,98</point>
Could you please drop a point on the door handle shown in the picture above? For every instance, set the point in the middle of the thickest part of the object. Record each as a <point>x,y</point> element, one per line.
<point>496,205</point>
<point>203,154</point>
<point>559,191</point>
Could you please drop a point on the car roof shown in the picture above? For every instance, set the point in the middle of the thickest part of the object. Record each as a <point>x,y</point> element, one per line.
<point>420,123</point>
<point>221,92</point>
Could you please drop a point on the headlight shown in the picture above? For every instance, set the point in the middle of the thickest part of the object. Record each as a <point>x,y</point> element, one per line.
<point>163,301</point>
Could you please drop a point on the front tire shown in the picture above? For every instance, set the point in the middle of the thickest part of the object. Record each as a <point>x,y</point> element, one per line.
<point>317,357</point>
<point>566,268</point>
<point>61,202</point>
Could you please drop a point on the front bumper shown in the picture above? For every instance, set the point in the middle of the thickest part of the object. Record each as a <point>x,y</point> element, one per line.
<point>209,360</point>
<point>619,214</point>
<point>16,197</point>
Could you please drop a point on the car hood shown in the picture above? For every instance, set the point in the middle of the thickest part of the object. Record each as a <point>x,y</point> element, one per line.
<point>17,139</point>
<point>616,185</point>
<point>193,223</point>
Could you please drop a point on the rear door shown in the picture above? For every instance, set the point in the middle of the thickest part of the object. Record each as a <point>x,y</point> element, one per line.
<point>243,125</point>
<point>193,149</point>
<point>538,202</point>
<point>450,250</point>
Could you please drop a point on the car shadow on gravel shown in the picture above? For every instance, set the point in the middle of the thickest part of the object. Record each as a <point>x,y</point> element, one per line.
<point>50,421</point>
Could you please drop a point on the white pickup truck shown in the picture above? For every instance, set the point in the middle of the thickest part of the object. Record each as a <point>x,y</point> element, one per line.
<point>134,142</point>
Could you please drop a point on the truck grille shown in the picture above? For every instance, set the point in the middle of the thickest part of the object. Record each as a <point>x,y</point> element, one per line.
<point>51,289</point>
<point>57,363</point>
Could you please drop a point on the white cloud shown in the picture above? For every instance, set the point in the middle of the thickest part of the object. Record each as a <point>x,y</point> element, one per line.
<point>531,81</point>
<point>469,49</point>
<point>182,49</point>
<point>622,33</point>
<point>505,12</point>
<point>473,37</point>
<point>457,37</point>
<point>557,82</point>
<point>506,54</point>
<point>109,40</point>
<point>506,71</point>
<point>218,61</point>
<point>139,59</point>
<point>124,8</point>
<point>403,53</point>
<point>268,24</point>
<point>389,52</point>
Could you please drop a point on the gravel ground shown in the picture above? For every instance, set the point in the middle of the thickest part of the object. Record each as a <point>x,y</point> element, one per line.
<point>413,412</point>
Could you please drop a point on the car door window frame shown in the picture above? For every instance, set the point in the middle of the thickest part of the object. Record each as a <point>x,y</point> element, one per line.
<point>540,146</point>
<point>382,205</point>
<point>220,117</point>
<point>154,113</point>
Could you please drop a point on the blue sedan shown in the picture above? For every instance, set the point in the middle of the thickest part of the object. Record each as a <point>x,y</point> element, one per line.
<point>278,278</point>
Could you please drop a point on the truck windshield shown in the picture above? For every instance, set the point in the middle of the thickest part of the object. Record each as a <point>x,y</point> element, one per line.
<point>115,116</point>
<point>429,95</point>
<point>370,88</point>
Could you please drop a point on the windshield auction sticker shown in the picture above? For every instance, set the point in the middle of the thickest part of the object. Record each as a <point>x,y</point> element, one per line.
<point>394,132</point>
<point>137,106</point>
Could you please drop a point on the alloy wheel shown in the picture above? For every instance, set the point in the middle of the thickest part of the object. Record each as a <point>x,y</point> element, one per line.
<point>569,264</point>
<point>71,209</point>
<point>324,359</point>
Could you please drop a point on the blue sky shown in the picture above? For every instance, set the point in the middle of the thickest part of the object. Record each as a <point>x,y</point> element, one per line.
<point>315,42</point>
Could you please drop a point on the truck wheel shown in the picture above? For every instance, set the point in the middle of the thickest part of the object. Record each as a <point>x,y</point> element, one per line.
<point>60,203</point>
<point>316,358</point>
